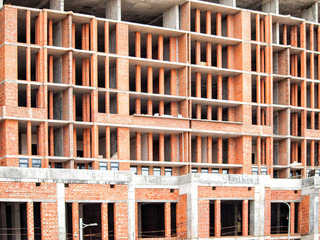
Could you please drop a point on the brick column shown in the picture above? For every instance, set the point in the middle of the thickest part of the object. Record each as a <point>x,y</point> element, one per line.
<point>124,147</point>
<point>198,149</point>
<point>292,210</point>
<point>198,94</point>
<point>75,220</point>
<point>167,219</point>
<point>204,219</point>
<point>49,219</point>
<point>209,149</point>
<point>30,221</point>
<point>104,221</point>
<point>245,218</point>
<point>217,216</point>
<point>120,221</point>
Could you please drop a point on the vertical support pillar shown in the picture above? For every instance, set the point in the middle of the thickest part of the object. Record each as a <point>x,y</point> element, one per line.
<point>57,5</point>
<point>138,146</point>
<point>209,150</point>
<point>161,147</point>
<point>198,94</point>
<point>167,219</point>
<point>311,13</point>
<point>61,211</point>
<point>292,215</point>
<point>120,220</point>
<point>217,216</point>
<point>219,150</point>
<point>30,221</point>
<point>161,90</point>
<point>108,151</point>
<point>245,218</point>
<point>150,146</point>
<point>271,6</point>
<point>312,150</point>
<point>15,215</point>
<point>171,17</point>
<point>104,221</point>
<point>113,9</point>
<point>231,3</point>
<point>75,220</point>
<point>198,149</point>
<point>219,97</point>
<point>150,89</point>
<point>209,95</point>
<point>197,21</point>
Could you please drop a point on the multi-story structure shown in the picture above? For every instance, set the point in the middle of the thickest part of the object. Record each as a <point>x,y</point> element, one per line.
<point>169,119</point>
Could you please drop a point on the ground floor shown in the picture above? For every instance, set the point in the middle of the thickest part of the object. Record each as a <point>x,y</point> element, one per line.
<point>105,205</point>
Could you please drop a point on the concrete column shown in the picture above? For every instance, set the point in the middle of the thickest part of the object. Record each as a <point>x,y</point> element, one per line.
<point>259,208</point>
<point>1,3</point>
<point>313,212</point>
<point>57,5</point>
<point>192,211</point>
<point>252,220</point>
<point>311,13</point>
<point>15,214</point>
<point>232,3</point>
<point>171,18</point>
<point>270,6</point>
<point>131,213</point>
<point>61,211</point>
<point>3,221</point>
<point>113,9</point>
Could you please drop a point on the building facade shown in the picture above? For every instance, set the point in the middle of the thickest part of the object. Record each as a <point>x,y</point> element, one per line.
<point>159,119</point>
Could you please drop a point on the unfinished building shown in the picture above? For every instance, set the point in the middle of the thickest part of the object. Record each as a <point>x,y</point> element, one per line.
<point>171,119</point>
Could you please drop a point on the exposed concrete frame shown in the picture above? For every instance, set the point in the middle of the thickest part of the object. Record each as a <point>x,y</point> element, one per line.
<point>311,13</point>
<point>232,3</point>
<point>57,5</point>
<point>171,18</point>
<point>270,6</point>
<point>113,9</point>
<point>61,211</point>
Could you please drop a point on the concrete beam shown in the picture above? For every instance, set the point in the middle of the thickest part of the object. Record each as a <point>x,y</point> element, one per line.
<point>171,18</point>
<point>232,3</point>
<point>270,6</point>
<point>57,5</point>
<point>113,9</point>
<point>311,13</point>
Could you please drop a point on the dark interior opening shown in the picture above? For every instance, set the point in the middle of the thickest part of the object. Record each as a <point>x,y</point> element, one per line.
<point>151,220</point>
<point>231,218</point>
<point>92,214</point>
<point>37,220</point>
<point>111,221</point>
<point>279,220</point>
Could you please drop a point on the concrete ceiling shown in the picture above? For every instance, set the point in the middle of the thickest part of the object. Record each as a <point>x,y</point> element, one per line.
<point>286,7</point>
<point>145,11</point>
